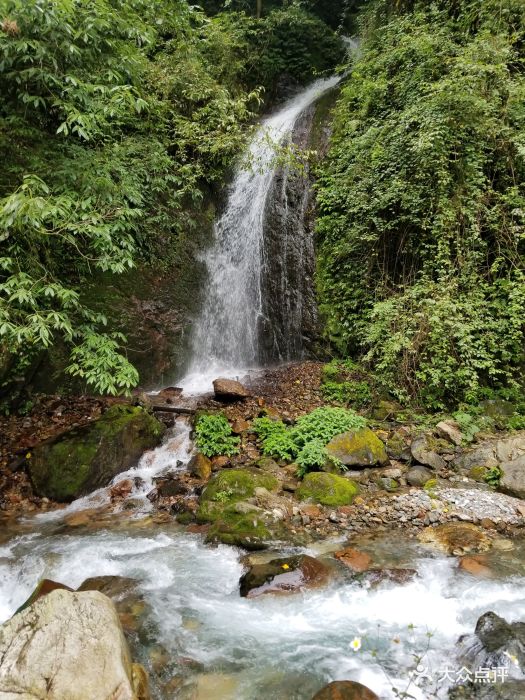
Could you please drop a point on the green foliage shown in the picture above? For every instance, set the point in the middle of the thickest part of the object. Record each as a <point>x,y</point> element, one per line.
<point>468,424</point>
<point>493,476</point>
<point>355,393</point>
<point>422,200</point>
<point>516,422</point>
<point>305,442</point>
<point>214,436</point>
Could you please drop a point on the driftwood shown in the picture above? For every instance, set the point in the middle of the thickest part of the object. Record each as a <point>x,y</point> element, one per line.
<point>174,409</point>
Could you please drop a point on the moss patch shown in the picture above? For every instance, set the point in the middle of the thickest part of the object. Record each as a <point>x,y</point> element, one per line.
<point>361,448</point>
<point>327,489</point>
<point>87,458</point>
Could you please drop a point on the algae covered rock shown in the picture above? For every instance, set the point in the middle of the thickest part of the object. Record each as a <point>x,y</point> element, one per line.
<point>68,645</point>
<point>87,458</point>
<point>358,448</point>
<point>327,489</point>
<point>230,524</point>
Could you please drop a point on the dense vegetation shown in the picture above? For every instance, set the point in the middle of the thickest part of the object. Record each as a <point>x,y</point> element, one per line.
<point>114,118</point>
<point>422,200</point>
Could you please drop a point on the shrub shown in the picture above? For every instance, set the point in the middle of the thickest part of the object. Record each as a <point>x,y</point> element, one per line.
<point>214,436</point>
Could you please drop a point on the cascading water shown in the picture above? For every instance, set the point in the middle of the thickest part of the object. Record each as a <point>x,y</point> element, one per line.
<point>226,336</point>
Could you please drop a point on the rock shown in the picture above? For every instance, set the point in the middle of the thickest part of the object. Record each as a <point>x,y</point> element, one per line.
<point>218,507</point>
<point>354,559</point>
<point>84,459</point>
<point>456,538</point>
<point>495,644</point>
<point>168,395</point>
<point>219,462</point>
<point>418,476</point>
<point>423,451</point>
<point>120,490</point>
<point>200,466</point>
<point>387,484</point>
<point>513,477</point>
<point>288,575</point>
<point>240,426</point>
<point>476,566</point>
<point>491,453</point>
<point>359,448</point>
<point>508,690</point>
<point>449,430</point>
<point>216,686</point>
<point>398,447</point>
<point>93,660</point>
<point>327,489</point>
<point>345,690</point>
<point>399,577</point>
<point>229,390</point>
<point>499,410</point>
<point>386,410</point>
<point>44,587</point>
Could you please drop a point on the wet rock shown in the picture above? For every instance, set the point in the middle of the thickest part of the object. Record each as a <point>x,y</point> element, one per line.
<point>399,577</point>
<point>216,686</point>
<point>419,475</point>
<point>121,490</point>
<point>513,477</point>
<point>359,448</point>
<point>327,489</point>
<point>449,430</point>
<point>240,426</point>
<point>475,565</point>
<point>423,450</point>
<point>495,644</point>
<point>168,395</point>
<point>288,575</point>
<point>456,538</point>
<point>87,458</point>
<point>200,466</point>
<point>229,390</point>
<point>220,462</point>
<point>354,559</point>
<point>44,587</point>
<point>170,487</point>
<point>345,690</point>
<point>94,660</point>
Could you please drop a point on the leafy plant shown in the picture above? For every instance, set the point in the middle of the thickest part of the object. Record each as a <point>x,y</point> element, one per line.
<point>468,424</point>
<point>356,393</point>
<point>305,442</point>
<point>214,436</point>
<point>493,476</point>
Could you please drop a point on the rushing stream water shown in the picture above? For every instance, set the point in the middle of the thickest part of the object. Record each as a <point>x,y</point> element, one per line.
<point>218,645</point>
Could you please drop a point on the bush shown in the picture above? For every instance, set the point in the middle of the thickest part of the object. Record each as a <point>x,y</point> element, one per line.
<point>214,436</point>
<point>305,442</point>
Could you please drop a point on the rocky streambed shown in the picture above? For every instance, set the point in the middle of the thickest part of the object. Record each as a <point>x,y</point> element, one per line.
<point>232,578</point>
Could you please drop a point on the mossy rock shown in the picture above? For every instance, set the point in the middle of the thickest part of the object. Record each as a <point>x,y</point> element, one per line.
<point>478,473</point>
<point>358,448</point>
<point>232,485</point>
<point>240,530</point>
<point>327,489</point>
<point>87,458</point>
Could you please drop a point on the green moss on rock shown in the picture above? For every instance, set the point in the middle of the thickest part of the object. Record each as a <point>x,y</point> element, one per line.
<point>232,485</point>
<point>87,458</point>
<point>241,530</point>
<point>327,489</point>
<point>360,448</point>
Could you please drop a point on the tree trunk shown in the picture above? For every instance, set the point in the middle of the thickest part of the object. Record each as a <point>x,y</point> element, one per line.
<point>259,9</point>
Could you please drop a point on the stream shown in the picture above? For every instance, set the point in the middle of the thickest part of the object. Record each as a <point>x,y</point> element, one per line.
<point>215,644</point>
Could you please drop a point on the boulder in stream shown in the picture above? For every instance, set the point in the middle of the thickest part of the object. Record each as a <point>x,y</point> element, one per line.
<point>327,489</point>
<point>456,538</point>
<point>84,459</point>
<point>68,645</point>
<point>288,575</point>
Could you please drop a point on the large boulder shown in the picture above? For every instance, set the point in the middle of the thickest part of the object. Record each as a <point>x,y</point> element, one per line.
<point>68,646</point>
<point>288,575</point>
<point>358,448</point>
<point>87,458</point>
<point>345,690</point>
<point>223,503</point>
<point>513,477</point>
<point>327,489</point>
<point>229,390</point>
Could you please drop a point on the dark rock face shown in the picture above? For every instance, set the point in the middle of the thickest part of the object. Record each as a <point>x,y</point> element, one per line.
<point>283,576</point>
<point>345,690</point>
<point>289,324</point>
<point>87,458</point>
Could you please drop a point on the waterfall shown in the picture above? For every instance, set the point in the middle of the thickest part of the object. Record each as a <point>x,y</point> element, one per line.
<point>228,335</point>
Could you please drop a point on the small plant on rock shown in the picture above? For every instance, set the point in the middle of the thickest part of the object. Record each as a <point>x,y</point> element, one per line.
<point>214,436</point>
